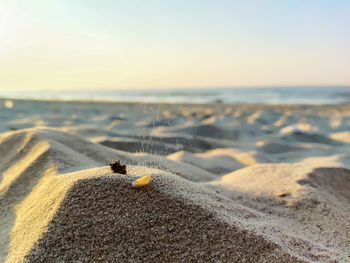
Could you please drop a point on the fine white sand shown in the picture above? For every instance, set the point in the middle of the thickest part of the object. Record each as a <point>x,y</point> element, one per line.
<point>229,183</point>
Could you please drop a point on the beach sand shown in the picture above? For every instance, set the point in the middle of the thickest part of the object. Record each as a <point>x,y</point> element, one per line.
<point>229,183</point>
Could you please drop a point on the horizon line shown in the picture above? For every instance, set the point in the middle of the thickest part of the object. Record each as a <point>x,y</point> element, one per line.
<point>179,88</point>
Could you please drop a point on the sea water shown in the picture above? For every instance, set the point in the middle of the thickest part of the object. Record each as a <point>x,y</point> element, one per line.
<point>265,95</point>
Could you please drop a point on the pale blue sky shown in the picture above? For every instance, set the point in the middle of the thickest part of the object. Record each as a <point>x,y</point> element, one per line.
<point>64,44</point>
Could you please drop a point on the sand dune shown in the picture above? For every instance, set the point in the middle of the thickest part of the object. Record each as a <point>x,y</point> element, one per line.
<point>57,206</point>
<point>40,219</point>
<point>312,203</point>
<point>217,161</point>
<point>262,196</point>
<point>341,136</point>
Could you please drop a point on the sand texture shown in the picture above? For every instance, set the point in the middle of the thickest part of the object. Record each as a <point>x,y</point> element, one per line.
<point>229,183</point>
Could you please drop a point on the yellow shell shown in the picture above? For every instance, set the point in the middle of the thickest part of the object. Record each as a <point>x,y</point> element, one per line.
<point>141,182</point>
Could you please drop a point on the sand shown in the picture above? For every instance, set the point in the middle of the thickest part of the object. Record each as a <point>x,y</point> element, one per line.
<point>229,183</point>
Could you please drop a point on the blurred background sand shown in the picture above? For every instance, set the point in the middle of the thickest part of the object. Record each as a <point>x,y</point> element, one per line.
<point>276,175</point>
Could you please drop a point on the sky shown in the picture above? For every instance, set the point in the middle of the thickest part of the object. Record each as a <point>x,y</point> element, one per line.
<point>133,44</point>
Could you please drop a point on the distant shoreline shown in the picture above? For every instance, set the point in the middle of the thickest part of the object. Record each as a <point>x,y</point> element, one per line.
<point>56,100</point>
<point>287,95</point>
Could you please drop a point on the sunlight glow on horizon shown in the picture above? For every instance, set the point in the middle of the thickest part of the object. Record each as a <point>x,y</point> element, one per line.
<point>158,44</point>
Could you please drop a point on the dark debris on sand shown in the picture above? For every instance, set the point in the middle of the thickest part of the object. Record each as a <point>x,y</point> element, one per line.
<point>117,167</point>
<point>119,224</point>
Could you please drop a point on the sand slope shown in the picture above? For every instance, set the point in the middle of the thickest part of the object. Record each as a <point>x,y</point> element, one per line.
<point>56,206</point>
<point>52,213</point>
<point>309,202</point>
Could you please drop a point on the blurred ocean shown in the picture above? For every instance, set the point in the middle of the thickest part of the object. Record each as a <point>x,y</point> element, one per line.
<point>280,95</point>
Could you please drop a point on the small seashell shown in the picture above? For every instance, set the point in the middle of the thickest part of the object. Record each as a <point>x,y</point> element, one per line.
<point>141,182</point>
<point>283,194</point>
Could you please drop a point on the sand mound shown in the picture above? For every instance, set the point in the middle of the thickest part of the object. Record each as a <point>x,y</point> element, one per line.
<point>215,161</point>
<point>312,202</point>
<point>341,136</point>
<point>119,223</point>
<point>310,138</point>
<point>60,202</point>
<point>210,131</point>
<point>263,117</point>
<point>49,213</point>
<point>335,181</point>
<point>276,148</point>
